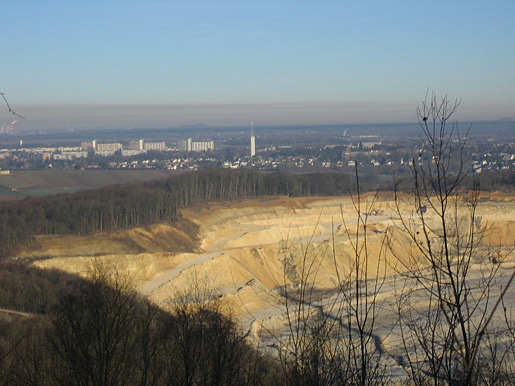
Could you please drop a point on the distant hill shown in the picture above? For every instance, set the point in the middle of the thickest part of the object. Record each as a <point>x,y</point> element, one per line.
<point>194,126</point>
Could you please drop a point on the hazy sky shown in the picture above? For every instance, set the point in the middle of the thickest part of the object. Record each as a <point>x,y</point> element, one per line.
<point>81,64</point>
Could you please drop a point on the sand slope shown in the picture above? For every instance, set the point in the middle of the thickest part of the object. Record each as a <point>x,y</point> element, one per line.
<point>244,246</point>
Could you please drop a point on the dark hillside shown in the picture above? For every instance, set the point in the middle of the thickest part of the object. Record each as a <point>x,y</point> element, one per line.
<point>101,332</point>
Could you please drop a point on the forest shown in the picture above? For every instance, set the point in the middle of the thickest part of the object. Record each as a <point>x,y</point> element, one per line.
<point>100,331</point>
<point>143,203</point>
<point>138,204</point>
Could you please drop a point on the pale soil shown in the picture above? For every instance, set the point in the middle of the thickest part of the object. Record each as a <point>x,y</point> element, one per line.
<point>156,238</point>
<point>243,245</point>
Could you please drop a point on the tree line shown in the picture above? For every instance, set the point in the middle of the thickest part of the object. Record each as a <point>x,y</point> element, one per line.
<point>139,204</point>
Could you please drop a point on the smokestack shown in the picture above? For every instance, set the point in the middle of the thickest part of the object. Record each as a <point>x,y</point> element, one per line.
<point>11,126</point>
<point>252,140</point>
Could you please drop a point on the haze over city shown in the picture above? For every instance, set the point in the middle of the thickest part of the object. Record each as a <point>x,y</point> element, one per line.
<point>159,64</point>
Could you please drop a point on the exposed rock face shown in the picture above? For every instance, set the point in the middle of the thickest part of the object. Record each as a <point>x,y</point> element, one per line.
<point>246,250</point>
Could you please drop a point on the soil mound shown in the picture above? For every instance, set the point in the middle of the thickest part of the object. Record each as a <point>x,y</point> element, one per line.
<point>182,236</point>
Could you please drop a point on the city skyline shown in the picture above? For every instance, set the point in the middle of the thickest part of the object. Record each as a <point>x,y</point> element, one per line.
<point>160,64</point>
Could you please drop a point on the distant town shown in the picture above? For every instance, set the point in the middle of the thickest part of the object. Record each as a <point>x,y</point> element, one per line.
<point>381,149</point>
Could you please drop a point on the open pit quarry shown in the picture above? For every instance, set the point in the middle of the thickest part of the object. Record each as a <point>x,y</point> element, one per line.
<point>247,251</point>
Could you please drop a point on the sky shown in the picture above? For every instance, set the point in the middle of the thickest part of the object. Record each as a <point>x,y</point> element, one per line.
<point>115,64</point>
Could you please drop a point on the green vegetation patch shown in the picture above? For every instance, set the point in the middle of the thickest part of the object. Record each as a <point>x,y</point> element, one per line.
<point>13,182</point>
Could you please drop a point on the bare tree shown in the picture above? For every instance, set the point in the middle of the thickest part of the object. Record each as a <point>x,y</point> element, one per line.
<point>450,289</point>
<point>95,335</point>
<point>359,287</point>
<point>309,351</point>
<point>30,362</point>
<point>330,335</point>
<point>204,344</point>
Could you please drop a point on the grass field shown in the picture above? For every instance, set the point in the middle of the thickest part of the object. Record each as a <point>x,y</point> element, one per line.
<point>47,182</point>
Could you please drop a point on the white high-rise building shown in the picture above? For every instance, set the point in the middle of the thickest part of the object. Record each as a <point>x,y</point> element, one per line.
<point>252,146</point>
<point>108,146</point>
<point>182,145</point>
<point>88,145</point>
<point>252,140</point>
<point>203,146</point>
<point>190,145</point>
<point>154,145</point>
<point>136,144</point>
